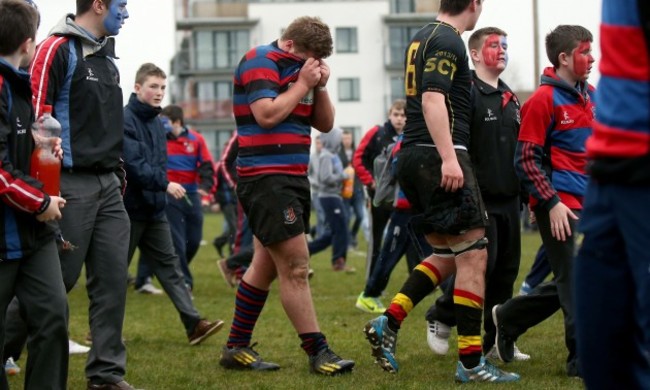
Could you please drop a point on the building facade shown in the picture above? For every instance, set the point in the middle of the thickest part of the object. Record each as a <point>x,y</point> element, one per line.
<point>367,65</point>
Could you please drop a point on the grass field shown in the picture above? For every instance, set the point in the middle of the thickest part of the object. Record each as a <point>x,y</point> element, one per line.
<point>159,356</point>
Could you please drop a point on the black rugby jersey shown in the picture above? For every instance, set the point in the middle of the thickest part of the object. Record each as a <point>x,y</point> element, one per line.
<point>436,60</point>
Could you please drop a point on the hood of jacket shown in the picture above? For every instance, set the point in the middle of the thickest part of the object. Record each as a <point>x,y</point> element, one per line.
<point>67,27</point>
<point>142,110</point>
<point>550,77</point>
<point>332,140</point>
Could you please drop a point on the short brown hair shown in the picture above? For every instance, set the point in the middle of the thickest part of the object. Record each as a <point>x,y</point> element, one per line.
<point>148,70</point>
<point>174,113</point>
<point>18,22</point>
<point>84,6</point>
<point>454,7</point>
<point>399,104</point>
<point>563,39</point>
<point>476,39</point>
<point>310,34</point>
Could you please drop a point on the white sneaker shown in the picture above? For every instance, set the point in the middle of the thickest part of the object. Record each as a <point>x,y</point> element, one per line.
<point>438,337</point>
<point>517,357</point>
<point>11,368</point>
<point>75,348</point>
<point>149,288</point>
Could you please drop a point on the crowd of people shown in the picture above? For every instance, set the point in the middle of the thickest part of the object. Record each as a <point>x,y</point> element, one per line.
<point>443,181</point>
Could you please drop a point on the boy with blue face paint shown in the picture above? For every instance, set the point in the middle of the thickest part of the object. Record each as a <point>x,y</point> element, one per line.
<point>74,71</point>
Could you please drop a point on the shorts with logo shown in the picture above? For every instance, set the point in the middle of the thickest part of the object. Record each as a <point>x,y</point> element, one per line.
<point>441,212</point>
<point>277,206</point>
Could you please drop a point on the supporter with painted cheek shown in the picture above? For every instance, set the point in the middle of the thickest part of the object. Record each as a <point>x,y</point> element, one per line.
<point>582,60</point>
<point>117,14</point>
<point>494,51</point>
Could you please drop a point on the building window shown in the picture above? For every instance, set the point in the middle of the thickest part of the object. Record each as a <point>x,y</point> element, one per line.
<point>398,40</point>
<point>349,90</point>
<point>346,40</point>
<point>396,88</point>
<point>402,6</point>
<point>220,49</point>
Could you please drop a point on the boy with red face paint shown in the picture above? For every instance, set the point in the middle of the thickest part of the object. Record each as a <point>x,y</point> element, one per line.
<point>550,161</point>
<point>494,129</point>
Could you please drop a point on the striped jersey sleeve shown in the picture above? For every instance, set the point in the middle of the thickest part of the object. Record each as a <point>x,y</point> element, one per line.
<point>622,128</point>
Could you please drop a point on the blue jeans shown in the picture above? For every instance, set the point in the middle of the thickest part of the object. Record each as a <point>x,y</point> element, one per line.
<point>358,206</point>
<point>337,234</point>
<point>539,270</point>
<point>612,288</point>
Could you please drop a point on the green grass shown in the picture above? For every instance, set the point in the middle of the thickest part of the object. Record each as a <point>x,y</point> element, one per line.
<point>159,356</point>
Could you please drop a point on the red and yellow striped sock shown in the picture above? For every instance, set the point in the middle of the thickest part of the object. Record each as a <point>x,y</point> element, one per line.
<point>422,280</point>
<point>469,310</point>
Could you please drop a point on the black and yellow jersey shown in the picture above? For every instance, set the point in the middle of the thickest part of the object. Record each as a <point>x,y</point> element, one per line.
<point>437,61</point>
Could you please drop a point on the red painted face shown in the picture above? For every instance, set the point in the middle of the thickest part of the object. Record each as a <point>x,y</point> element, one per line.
<point>582,60</point>
<point>494,51</point>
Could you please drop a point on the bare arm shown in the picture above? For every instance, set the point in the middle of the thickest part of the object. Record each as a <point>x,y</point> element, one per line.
<point>437,119</point>
<point>270,112</point>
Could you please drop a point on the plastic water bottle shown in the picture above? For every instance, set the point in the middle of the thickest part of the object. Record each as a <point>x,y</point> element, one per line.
<point>348,184</point>
<point>45,166</point>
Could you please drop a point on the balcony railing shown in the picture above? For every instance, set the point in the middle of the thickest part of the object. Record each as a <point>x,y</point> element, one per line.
<point>207,109</point>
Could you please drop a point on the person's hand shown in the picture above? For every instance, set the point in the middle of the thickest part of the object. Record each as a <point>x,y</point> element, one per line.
<point>310,73</point>
<point>53,210</point>
<point>57,150</point>
<point>176,190</point>
<point>531,215</point>
<point>452,176</point>
<point>324,73</point>
<point>559,217</point>
<point>203,192</point>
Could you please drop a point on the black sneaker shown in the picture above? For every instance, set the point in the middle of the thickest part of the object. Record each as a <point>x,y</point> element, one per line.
<point>245,358</point>
<point>329,363</point>
<point>505,342</point>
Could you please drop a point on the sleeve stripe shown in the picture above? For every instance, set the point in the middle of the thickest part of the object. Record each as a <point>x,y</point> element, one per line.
<point>52,44</point>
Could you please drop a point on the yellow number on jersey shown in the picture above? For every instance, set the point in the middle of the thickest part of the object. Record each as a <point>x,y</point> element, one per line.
<point>409,77</point>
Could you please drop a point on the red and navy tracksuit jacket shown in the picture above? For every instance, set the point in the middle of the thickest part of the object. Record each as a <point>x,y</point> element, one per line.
<point>550,159</point>
<point>22,198</point>
<point>266,72</point>
<point>189,162</point>
<point>620,145</point>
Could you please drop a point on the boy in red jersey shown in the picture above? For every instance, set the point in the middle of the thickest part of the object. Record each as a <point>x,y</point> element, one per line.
<point>550,161</point>
<point>280,93</point>
<point>612,268</point>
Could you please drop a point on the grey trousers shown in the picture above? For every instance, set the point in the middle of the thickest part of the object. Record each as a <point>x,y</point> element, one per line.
<point>154,240</point>
<point>36,281</point>
<point>95,220</point>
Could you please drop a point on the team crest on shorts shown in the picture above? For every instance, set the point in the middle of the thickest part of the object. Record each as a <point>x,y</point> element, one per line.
<point>289,216</point>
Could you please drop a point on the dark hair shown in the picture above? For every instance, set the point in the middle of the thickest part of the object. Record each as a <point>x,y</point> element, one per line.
<point>454,7</point>
<point>84,6</point>
<point>475,40</point>
<point>310,34</point>
<point>18,22</point>
<point>174,113</point>
<point>147,70</point>
<point>563,39</point>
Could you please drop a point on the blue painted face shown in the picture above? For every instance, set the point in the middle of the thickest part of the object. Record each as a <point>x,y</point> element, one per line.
<point>116,16</point>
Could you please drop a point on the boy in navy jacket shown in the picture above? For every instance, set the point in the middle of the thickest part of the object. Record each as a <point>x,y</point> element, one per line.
<point>29,267</point>
<point>145,199</point>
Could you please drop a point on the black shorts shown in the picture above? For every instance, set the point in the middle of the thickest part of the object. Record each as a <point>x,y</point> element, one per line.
<point>277,206</point>
<point>441,212</point>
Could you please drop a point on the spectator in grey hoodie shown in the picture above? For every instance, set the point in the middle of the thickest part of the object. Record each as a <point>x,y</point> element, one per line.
<point>329,179</point>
